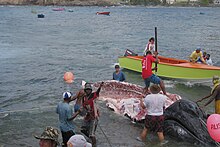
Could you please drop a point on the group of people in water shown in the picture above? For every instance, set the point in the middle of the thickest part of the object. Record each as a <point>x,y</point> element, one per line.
<point>85,105</point>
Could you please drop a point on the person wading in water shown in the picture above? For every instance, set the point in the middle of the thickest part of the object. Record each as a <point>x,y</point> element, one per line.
<point>91,112</point>
<point>215,94</point>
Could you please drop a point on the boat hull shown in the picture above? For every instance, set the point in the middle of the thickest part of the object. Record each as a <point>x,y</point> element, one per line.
<point>102,13</point>
<point>58,9</point>
<point>184,70</point>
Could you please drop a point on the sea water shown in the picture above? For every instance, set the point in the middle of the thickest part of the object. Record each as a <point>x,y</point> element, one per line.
<point>36,52</point>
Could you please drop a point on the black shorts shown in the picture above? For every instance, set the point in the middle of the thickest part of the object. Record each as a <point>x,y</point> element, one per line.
<point>66,136</point>
<point>154,123</point>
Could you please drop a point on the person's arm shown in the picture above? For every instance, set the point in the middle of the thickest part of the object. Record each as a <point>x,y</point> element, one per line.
<point>113,76</point>
<point>123,77</point>
<point>202,59</point>
<point>98,90</point>
<point>191,57</point>
<point>71,115</point>
<point>74,97</point>
<point>212,97</point>
<point>74,116</point>
<point>57,109</point>
<point>155,60</point>
<point>142,103</point>
<point>203,98</point>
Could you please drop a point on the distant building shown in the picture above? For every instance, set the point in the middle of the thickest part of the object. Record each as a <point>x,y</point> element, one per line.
<point>216,2</point>
<point>179,1</point>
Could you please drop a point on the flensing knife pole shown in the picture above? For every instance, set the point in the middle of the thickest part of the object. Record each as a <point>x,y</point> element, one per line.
<point>156,46</point>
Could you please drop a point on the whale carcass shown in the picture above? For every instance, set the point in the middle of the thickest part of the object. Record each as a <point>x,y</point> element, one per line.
<point>184,120</point>
<point>124,98</point>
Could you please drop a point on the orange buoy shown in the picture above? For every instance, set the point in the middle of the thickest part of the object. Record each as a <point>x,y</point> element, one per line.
<point>68,77</point>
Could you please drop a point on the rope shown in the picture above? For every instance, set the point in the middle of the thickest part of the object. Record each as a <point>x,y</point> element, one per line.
<point>204,125</point>
<point>105,136</point>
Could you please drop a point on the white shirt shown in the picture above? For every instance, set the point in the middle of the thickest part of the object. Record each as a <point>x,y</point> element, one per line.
<point>149,47</point>
<point>155,103</point>
<point>209,62</point>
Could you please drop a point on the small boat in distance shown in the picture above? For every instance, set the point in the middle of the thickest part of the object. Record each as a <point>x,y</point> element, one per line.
<point>102,13</point>
<point>70,10</point>
<point>40,15</point>
<point>171,67</point>
<point>58,9</point>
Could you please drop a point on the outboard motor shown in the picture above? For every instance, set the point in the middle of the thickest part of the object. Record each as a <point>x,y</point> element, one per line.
<point>130,53</point>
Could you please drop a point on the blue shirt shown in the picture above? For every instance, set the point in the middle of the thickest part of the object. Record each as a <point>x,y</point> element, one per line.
<point>119,77</point>
<point>65,112</point>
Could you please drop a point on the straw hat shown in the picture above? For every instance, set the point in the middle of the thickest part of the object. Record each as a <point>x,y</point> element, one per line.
<point>49,133</point>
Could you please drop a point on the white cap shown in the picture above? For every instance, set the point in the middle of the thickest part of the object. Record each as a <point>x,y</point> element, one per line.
<point>79,141</point>
<point>66,95</point>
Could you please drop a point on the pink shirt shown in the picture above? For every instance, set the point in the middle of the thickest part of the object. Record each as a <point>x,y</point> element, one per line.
<point>147,66</point>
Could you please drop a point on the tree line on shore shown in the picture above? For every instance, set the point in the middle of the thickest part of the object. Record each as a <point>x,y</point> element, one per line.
<point>167,2</point>
<point>109,2</point>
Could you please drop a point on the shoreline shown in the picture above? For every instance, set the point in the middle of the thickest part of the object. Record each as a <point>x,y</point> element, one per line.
<point>93,3</point>
<point>88,5</point>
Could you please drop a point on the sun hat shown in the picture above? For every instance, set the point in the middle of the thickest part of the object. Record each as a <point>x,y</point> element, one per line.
<point>155,89</point>
<point>49,133</point>
<point>66,95</point>
<point>88,86</point>
<point>79,141</point>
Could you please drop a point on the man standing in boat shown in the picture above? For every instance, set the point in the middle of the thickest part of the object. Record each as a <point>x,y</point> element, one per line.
<point>147,73</point>
<point>150,46</point>
<point>215,94</point>
<point>196,55</point>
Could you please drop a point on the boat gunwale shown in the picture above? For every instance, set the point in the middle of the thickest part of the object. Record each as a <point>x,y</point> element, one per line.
<point>207,67</point>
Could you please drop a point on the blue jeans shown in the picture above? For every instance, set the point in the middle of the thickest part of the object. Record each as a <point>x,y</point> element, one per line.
<point>153,78</point>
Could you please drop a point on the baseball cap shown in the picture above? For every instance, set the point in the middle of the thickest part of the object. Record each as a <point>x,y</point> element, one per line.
<point>66,95</point>
<point>88,86</point>
<point>117,66</point>
<point>49,133</point>
<point>79,141</point>
<point>198,48</point>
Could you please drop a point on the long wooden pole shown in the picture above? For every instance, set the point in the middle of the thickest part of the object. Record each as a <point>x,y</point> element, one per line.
<point>156,46</point>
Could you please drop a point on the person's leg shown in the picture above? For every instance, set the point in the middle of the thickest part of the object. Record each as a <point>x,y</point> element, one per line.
<point>93,125</point>
<point>147,84</point>
<point>217,106</point>
<point>143,134</point>
<point>160,136</point>
<point>160,124</point>
<point>162,87</point>
<point>85,128</point>
<point>156,80</point>
<point>66,136</point>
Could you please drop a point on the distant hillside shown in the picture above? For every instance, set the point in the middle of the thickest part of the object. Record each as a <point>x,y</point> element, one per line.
<point>60,2</point>
<point>112,2</point>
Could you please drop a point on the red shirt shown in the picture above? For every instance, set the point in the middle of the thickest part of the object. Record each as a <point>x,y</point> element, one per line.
<point>147,66</point>
<point>89,105</point>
